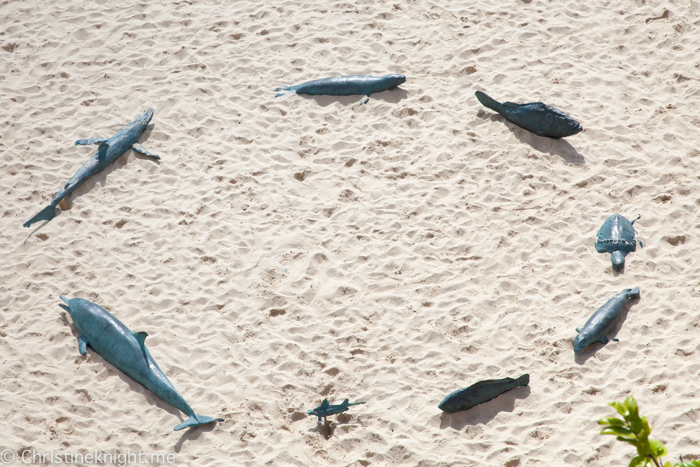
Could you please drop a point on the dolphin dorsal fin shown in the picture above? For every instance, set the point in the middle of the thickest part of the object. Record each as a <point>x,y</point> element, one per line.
<point>325,403</point>
<point>346,402</point>
<point>141,338</point>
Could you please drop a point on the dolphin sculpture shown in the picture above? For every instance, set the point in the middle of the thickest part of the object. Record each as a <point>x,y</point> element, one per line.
<point>478,393</point>
<point>618,237</point>
<point>603,321</point>
<point>109,150</point>
<point>346,86</point>
<point>126,350</point>
<point>326,409</point>
<point>535,117</point>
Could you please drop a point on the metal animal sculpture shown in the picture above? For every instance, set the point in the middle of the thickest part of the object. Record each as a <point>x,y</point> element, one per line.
<point>346,86</point>
<point>536,117</point>
<point>326,409</point>
<point>603,321</point>
<point>478,393</point>
<point>127,351</point>
<point>109,150</point>
<point>618,237</point>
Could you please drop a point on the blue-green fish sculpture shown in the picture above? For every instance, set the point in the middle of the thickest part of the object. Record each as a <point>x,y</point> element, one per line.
<point>127,351</point>
<point>109,150</point>
<point>617,237</point>
<point>478,393</point>
<point>536,117</point>
<point>603,321</point>
<point>326,409</point>
<point>364,85</point>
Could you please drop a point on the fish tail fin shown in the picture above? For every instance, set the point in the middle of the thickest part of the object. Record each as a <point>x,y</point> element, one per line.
<point>524,380</point>
<point>487,101</point>
<point>196,420</point>
<point>46,214</point>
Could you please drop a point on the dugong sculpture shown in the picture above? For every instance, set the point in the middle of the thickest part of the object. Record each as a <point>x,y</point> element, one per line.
<point>346,86</point>
<point>109,150</point>
<point>126,350</point>
<point>618,237</point>
<point>478,393</point>
<point>603,321</point>
<point>536,117</point>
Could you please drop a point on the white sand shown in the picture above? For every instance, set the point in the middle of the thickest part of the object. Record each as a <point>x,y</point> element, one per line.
<point>291,249</point>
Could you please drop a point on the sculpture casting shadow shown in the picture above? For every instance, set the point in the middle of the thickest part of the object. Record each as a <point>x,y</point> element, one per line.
<point>391,96</point>
<point>328,428</point>
<point>484,413</point>
<point>557,147</point>
<point>192,434</point>
<point>592,349</point>
<point>94,357</point>
<point>101,178</point>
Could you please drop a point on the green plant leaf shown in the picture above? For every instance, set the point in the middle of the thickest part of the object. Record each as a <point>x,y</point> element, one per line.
<point>611,421</point>
<point>631,406</point>
<point>657,447</point>
<point>637,461</point>
<point>633,442</point>
<point>621,409</point>
<point>617,430</point>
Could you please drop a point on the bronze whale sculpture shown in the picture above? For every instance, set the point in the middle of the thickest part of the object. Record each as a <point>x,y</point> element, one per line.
<point>364,85</point>
<point>108,151</point>
<point>478,393</point>
<point>603,321</point>
<point>127,351</point>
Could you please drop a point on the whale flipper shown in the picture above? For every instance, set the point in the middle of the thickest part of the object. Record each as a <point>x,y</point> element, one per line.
<point>196,420</point>
<point>140,149</point>
<point>85,142</point>
<point>141,337</point>
<point>82,344</point>
<point>46,214</point>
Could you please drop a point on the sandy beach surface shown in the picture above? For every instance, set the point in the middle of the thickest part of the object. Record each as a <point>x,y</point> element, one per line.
<point>287,250</point>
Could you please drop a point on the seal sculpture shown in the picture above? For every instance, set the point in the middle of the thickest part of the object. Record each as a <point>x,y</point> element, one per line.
<point>127,351</point>
<point>617,237</point>
<point>478,393</point>
<point>364,85</point>
<point>535,117</point>
<point>109,150</point>
<point>603,321</point>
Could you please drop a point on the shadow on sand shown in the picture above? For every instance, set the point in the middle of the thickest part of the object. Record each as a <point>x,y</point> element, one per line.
<point>484,413</point>
<point>556,147</point>
<point>391,96</point>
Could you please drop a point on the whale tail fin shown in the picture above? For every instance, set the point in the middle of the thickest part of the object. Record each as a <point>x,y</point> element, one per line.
<point>46,214</point>
<point>524,380</point>
<point>196,420</point>
<point>285,90</point>
<point>66,306</point>
<point>489,102</point>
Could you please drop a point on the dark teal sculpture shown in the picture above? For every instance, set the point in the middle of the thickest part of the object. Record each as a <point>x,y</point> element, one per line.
<point>478,393</point>
<point>346,86</point>
<point>326,409</point>
<point>536,117</point>
<point>618,237</point>
<point>109,150</point>
<point>127,351</point>
<point>603,321</point>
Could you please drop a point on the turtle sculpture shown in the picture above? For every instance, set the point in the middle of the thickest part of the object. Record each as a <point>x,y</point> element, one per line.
<point>618,237</point>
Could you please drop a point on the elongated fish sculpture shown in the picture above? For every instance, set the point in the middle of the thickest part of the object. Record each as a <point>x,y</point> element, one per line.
<point>478,393</point>
<point>617,237</point>
<point>364,85</point>
<point>536,117</point>
<point>127,351</point>
<point>603,321</point>
<point>109,150</point>
<point>327,409</point>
